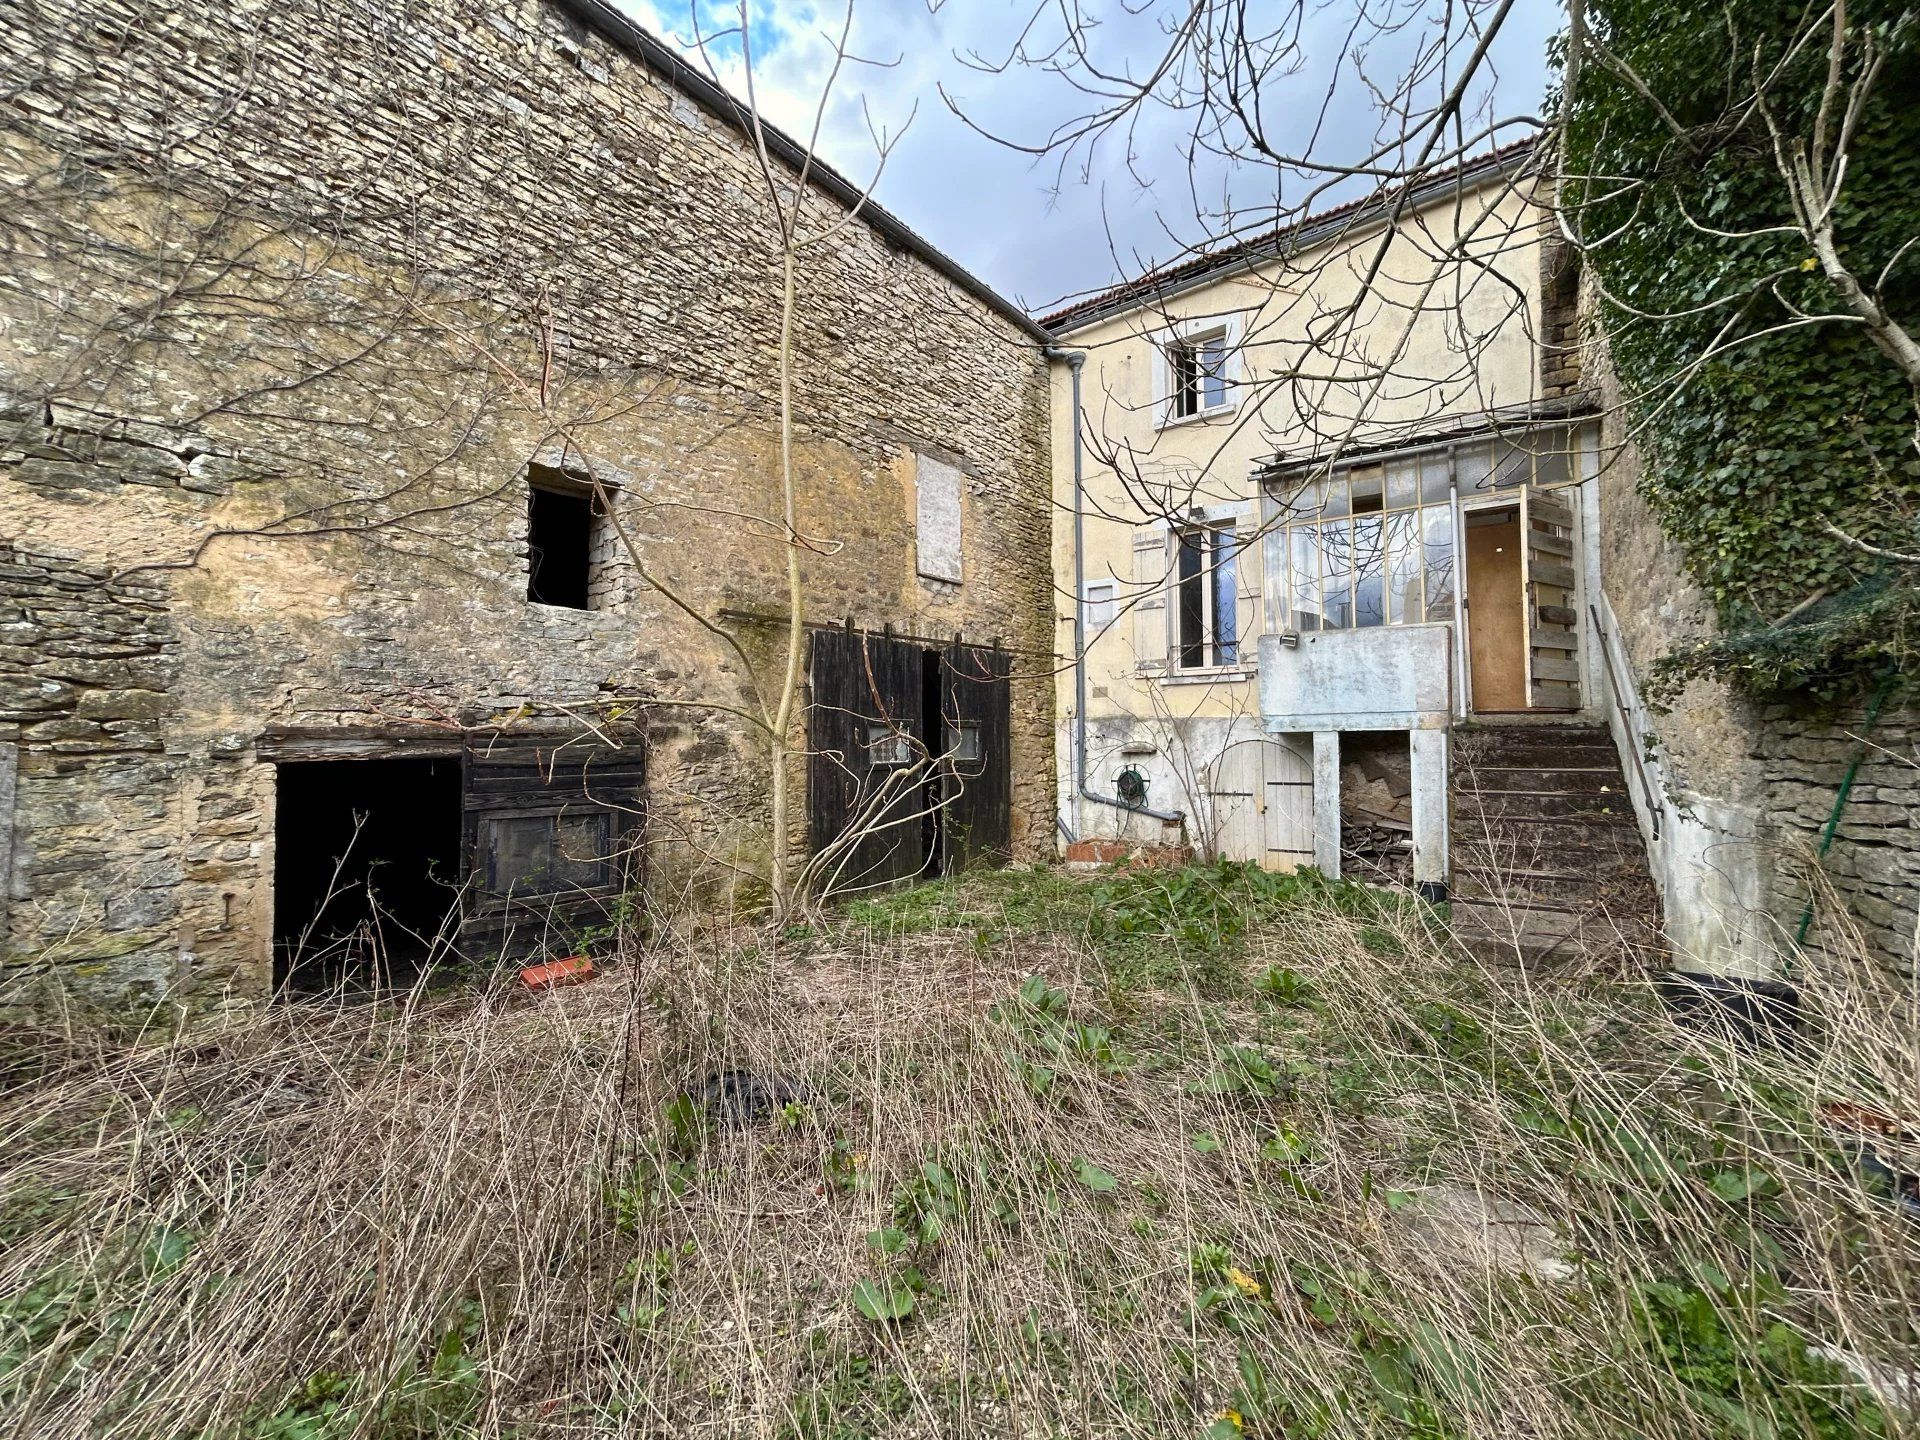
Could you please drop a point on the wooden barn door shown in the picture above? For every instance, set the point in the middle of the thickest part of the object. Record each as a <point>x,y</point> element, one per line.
<point>976,769</point>
<point>868,756</point>
<point>1552,614</point>
<point>551,830</point>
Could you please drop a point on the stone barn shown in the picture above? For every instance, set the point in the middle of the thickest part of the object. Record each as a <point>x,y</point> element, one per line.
<point>393,562</point>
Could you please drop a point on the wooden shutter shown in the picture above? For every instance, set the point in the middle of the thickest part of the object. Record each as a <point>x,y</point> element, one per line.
<point>1159,344</point>
<point>1249,556</point>
<point>1551,583</point>
<point>1152,627</point>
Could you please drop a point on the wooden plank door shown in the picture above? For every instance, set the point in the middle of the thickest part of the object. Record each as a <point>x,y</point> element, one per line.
<point>1288,812</point>
<point>976,766</point>
<point>1262,794</point>
<point>551,827</point>
<point>1553,617</point>
<point>869,768</point>
<point>1234,796</point>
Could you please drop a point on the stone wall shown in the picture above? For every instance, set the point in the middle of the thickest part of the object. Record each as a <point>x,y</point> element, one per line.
<point>1746,792</point>
<point>295,295</point>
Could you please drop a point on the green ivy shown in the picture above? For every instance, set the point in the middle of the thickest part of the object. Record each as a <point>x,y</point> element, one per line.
<point>1757,448</point>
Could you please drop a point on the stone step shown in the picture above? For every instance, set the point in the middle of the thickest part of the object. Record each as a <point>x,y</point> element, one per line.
<point>1603,850</point>
<point>1503,933</point>
<point>1559,779</point>
<point>1609,832</point>
<point>1570,888</point>
<point>1606,805</point>
<point>1548,863</point>
<point>1533,747</point>
<point>1498,933</point>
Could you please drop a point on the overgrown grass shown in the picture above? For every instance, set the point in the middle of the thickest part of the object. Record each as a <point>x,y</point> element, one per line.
<point>1200,1153</point>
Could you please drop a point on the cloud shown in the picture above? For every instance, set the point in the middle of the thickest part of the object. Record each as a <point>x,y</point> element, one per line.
<point>1033,228</point>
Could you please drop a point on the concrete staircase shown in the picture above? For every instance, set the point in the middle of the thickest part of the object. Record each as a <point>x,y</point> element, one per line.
<point>1548,865</point>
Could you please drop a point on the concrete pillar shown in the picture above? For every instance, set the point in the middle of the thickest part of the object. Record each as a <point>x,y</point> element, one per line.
<point>1431,871</point>
<point>1326,802</point>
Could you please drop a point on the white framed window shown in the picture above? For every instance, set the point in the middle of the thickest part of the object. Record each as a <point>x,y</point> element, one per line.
<point>963,742</point>
<point>1196,365</point>
<point>1197,375</point>
<point>1098,616</point>
<point>1206,630</point>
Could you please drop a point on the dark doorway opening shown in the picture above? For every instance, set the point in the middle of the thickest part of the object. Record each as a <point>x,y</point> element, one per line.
<point>559,547</point>
<point>366,871</point>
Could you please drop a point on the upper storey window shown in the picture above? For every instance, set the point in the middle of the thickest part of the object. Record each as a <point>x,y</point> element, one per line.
<point>1197,370</point>
<point>566,541</point>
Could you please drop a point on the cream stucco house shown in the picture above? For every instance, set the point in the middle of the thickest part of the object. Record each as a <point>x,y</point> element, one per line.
<point>1331,483</point>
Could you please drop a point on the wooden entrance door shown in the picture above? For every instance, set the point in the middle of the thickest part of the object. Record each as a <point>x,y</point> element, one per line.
<point>911,746</point>
<point>869,763</point>
<point>1496,610</point>
<point>552,831</point>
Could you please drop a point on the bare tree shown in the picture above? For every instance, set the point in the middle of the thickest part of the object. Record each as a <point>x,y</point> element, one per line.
<point>1273,117</point>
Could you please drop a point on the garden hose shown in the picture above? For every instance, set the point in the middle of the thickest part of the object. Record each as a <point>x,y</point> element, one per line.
<point>1840,800</point>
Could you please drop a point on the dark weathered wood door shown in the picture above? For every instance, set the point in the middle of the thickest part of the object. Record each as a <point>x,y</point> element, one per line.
<point>976,769</point>
<point>868,763</point>
<point>552,832</point>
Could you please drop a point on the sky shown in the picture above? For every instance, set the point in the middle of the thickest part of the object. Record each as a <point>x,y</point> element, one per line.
<point>1044,228</point>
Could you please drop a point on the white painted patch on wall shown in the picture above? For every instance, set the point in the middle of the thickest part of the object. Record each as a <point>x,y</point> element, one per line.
<point>938,520</point>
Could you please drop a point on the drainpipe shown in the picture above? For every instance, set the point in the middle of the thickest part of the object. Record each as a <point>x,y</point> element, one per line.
<point>1075,360</point>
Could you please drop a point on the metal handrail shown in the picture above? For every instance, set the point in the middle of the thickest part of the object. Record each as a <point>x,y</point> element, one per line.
<point>1626,720</point>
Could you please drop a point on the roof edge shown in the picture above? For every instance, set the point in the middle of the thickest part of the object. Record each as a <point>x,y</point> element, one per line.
<point>1574,406</point>
<point>607,22</point>
<point>1303,234</point>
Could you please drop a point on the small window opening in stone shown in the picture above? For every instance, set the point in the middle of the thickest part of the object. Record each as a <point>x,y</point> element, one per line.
<point>560,543</point>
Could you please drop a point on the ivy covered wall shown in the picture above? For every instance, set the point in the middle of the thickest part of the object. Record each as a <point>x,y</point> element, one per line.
<point>1760,424</point>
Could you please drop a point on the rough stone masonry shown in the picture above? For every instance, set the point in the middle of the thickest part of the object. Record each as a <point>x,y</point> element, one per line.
<point>294,296</point>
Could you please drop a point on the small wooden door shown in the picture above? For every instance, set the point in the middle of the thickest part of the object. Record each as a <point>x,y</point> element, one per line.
<point>1552,610</point>
<point>1262,795</point>
<point>1496,610</point>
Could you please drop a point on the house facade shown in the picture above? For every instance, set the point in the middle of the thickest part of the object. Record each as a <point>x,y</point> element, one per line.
<point>1320,494</point>
<point>390,468</point>
<point>1356,572</point>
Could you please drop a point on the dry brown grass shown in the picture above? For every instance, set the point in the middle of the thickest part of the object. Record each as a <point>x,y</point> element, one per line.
<point>486,1214</point>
